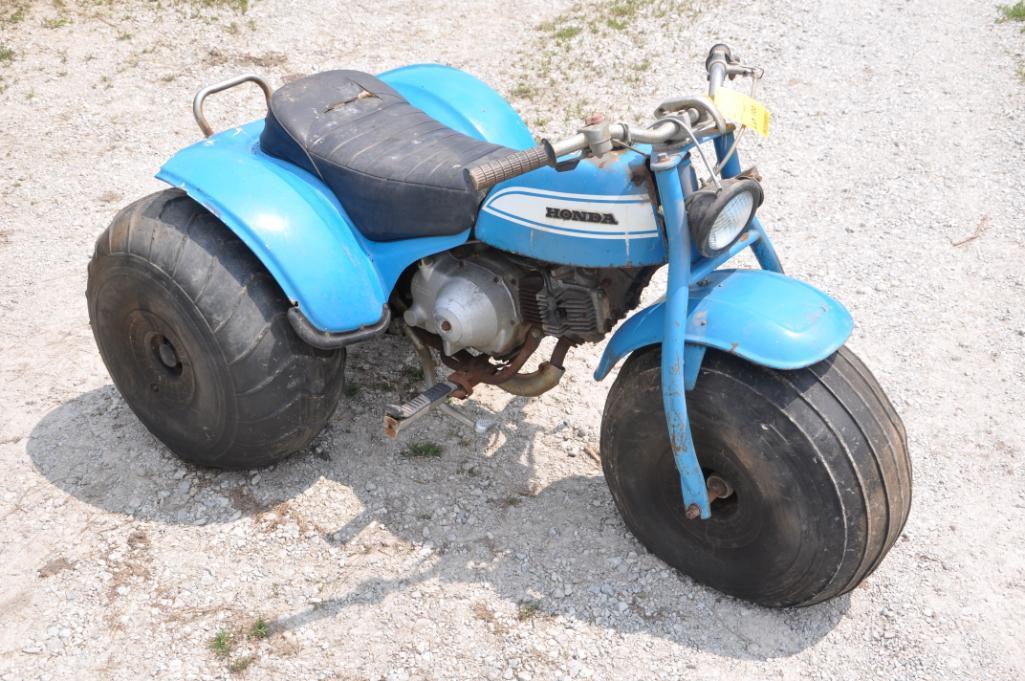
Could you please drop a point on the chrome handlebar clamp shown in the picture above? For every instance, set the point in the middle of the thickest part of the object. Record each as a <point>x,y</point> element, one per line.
<point>598,135</point>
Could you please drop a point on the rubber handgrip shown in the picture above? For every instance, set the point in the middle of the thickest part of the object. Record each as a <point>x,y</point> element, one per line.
<point>488,174</point>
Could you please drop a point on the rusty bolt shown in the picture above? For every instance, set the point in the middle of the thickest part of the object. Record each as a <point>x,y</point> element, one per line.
<point>718,488</point>
<point>594,119</point>
<point>446,325</point>
<point>693,512</point>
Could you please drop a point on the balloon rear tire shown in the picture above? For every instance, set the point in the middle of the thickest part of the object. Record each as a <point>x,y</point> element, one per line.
<point>194,332</point>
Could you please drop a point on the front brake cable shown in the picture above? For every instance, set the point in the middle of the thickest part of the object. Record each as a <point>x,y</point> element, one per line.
<point>684,125</point>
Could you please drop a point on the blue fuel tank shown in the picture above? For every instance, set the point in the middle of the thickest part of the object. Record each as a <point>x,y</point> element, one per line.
<point>599,214</point>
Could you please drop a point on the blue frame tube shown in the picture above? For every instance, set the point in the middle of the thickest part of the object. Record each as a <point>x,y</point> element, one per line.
<point>680,361</point>
<point>722,146</point>
<point>755,238</point>
<point>674,340</point>
<point>763,250</point>
<point>705,266</point>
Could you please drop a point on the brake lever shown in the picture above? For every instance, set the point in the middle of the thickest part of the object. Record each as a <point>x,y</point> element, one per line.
<point>734,70</point>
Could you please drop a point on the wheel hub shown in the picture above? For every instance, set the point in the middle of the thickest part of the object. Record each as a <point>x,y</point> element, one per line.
<point>166,353</point>
<point>162,361</point>
<point>717,488</point>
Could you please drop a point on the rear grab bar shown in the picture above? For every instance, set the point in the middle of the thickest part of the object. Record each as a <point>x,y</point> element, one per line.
<point>197,101</point>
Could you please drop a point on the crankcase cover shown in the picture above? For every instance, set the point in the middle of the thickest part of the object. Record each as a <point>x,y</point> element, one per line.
<point>470,303</point>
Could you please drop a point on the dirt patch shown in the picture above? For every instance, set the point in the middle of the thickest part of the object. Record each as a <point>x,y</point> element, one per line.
<point>131,568</point>
<point>55,566</point>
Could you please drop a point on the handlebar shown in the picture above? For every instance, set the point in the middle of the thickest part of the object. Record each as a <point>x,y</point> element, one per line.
<point>490,173</point>
<point>486,175</point>
<point>676,118</point>
<point>719,59</point>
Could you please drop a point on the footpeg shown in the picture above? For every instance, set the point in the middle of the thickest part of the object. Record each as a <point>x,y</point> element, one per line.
<point>398,416</point>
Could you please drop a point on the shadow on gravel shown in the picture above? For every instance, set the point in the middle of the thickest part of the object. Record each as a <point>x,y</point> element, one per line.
<point>93,448</point>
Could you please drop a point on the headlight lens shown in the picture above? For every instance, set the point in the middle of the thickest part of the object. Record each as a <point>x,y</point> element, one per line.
<point>733,218</point>
<point>718,217</point>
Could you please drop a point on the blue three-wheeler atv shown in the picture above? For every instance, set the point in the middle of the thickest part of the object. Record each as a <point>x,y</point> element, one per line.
<point>742,442</point>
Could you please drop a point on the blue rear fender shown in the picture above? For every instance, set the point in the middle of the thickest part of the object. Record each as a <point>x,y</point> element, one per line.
<point>296,226</point>
<point>462,102</point>
<point>761,316</point>
<point>290,221</point>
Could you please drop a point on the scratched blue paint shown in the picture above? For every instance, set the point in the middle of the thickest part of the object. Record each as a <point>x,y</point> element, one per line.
<point>296,226</point>
<point>341,280</point>
<point>764,317</point>
<point>608,182</point>
<point>674,337</point>
<point>722,144</point>
<point>762,247</point>
<point>693,356</point>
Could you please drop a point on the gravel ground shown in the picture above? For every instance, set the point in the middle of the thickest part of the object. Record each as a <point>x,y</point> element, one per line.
<point>896,134</point>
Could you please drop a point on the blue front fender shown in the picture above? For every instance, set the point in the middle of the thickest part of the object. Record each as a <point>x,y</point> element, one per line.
<point>764,317</point>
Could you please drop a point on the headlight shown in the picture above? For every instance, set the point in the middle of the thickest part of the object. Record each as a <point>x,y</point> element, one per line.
<point>717,217</point>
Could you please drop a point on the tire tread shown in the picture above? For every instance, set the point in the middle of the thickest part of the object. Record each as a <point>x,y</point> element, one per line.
<point>175,235</point>
<point>845,421</point>
<point>875,459</point>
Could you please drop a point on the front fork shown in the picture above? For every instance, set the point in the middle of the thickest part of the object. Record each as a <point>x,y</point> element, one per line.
<point>680,360</point>
<point>674,336</point>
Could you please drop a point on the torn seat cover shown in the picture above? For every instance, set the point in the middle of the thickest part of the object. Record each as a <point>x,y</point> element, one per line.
<point>397,172</point>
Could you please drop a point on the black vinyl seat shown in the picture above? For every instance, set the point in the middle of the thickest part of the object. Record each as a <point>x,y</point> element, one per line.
<point>397,172</point>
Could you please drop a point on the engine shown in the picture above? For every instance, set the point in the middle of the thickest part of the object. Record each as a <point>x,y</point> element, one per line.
<point>470,302</point>
<point>485,301</point>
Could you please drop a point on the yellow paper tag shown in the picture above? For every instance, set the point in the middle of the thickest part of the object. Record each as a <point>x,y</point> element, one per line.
<point>743,110</point>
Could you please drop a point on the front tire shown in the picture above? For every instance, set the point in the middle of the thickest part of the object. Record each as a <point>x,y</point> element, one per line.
<point>193,331</point>
<point>816,460</point>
